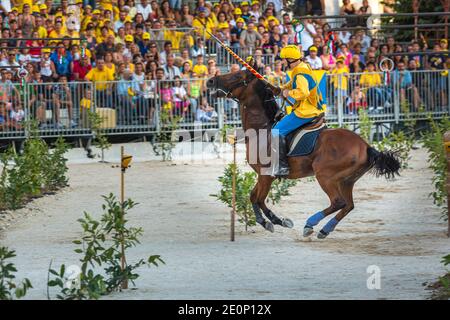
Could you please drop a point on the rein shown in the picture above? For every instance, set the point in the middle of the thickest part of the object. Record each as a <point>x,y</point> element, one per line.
<point>229,93</point>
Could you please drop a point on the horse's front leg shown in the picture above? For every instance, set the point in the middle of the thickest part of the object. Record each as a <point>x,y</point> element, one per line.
<point>257,210</point>
<point>265,183</point>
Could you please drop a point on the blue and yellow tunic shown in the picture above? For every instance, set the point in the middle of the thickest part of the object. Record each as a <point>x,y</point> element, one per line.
<point>305,93</point>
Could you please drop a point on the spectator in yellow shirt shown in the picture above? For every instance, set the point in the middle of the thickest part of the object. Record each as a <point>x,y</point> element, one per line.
<point>42,31</point>
<point>369,78</point>
<point>100,76</point>
<point>340,76</point>
<point>58,32</point>
<point>340,81</point>
<point>199,68</point>
<point>203,24</point>
<point>172,35</point>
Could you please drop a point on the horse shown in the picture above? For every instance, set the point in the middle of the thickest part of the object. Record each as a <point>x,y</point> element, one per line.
<point>339,158</point>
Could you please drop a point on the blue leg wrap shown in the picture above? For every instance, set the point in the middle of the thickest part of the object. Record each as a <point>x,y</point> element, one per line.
<point>330,225</point>
<point>315,219</point>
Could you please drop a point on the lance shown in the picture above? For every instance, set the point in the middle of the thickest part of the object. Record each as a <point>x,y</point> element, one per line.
<point>249,67</point>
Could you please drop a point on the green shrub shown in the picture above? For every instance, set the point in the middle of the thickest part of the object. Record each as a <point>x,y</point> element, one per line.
<point>100,140</point>
<point>399,142</point>
<point>32,173</point>
<point>101,246</point>
<point>437,159</point>
<point>8,288</point>
<point>164,142</point>
<point>245,182</point>
<point>56,174</point>
<point>13,181</point>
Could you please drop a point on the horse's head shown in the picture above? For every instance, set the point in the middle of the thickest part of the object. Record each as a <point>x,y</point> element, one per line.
<point>231,85</point>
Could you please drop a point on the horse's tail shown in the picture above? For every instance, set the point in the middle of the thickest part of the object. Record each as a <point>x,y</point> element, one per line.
<point>385,163</point>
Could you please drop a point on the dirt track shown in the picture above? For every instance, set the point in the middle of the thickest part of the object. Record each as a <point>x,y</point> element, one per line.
<point>394,226</point>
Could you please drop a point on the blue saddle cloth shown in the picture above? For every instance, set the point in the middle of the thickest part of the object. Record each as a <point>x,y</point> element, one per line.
<point>302,143</point>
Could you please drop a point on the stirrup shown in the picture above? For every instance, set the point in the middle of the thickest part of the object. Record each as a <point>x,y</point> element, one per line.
<point>281,173</point>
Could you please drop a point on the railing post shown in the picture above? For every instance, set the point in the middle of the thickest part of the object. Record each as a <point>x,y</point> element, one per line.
<point>396,94</point>
<point>220,113</point>
<point>27,109</point>
<point>448,92</point>
<point>447,150</point>
<point>340,102</point>
<point>158,107</point>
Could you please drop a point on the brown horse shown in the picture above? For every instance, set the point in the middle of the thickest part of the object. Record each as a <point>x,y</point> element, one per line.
<point>338,160</point>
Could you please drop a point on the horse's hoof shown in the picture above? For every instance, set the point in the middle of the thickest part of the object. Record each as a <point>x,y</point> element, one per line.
<point>269,226</point>
<point>307,231</point>
<point>287,223</point>
<point>322,235</point>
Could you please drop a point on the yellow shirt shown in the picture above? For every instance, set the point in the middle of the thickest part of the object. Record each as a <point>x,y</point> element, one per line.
<point>174,37</point>
<point>21,3</point>
<point>304,92</point>
<point>201,25</point>
<point>75,34</point>
<point>42,32</point>
<point>369,80</point>
<point>201,70</point>
<point>100,76</point>
<point>85,103</point>
<point>99,38</point>
<point>86,20</point>
<point>54,34</point>
<point>339,80</point>
<point>111,69</point>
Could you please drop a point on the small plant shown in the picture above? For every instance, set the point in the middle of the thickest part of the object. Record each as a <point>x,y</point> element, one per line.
<point>280,188</point>
<point>245,182</point>
<point>441,288</point>
<point>401,142</point>
<point>437,159</point>
<point>100,140</point>
<point>13,181</point>
<point>8,288</point>
<point>164,142</point>
<point>365,125</point>
<point>398,142</point>
<point>33,172</point>
<point>103,244</point>
<point>56,174</point>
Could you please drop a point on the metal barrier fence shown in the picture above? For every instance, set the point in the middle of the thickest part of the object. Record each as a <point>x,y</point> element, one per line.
<point>145,107</point>
<point>405,95</point>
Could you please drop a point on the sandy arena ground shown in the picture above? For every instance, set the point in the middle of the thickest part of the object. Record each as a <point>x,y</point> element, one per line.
<point>394,226</point>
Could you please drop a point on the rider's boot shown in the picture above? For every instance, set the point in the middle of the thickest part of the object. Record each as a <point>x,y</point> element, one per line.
<point>280,166</point>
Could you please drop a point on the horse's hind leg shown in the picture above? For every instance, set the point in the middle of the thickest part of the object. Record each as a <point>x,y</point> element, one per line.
<point>337,201</point>
<point>346,189</point>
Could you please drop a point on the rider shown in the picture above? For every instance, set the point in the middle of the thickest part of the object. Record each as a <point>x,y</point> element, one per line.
<point>302,91</point>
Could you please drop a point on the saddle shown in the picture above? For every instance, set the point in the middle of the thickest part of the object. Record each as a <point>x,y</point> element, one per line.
<point>302,141</point>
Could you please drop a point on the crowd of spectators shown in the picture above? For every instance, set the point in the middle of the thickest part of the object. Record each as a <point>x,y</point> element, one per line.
<point>139,51</point>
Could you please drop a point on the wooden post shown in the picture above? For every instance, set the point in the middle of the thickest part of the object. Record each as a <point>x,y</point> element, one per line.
<point>233,212</point>
<point>447,149</point>
<point>232,139</point>
<point>122,203</point>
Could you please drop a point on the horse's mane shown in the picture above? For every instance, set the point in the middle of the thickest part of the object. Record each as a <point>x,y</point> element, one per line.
<point>269,104</point>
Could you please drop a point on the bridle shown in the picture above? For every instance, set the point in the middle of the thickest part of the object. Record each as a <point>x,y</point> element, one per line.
<point>229,93</point>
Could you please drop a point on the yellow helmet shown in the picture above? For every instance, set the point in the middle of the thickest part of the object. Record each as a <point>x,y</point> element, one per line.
<point>291,52</point>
